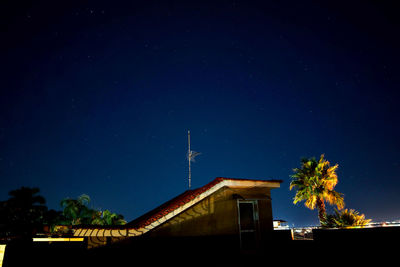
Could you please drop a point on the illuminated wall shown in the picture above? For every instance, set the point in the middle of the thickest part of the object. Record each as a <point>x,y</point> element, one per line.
<point>218,214</point>
<point>2,251</point>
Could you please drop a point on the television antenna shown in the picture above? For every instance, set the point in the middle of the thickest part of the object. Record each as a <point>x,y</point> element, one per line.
<point>190,156</point>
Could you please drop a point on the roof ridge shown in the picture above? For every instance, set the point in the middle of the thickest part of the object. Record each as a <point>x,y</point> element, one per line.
<point>249,179</point>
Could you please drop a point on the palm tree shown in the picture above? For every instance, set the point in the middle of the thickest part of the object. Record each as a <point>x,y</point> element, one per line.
<point>75,211</point>
<point>113,218</point>
<point>315,182</point>
<point>345,219</point>
<point>108,218</point>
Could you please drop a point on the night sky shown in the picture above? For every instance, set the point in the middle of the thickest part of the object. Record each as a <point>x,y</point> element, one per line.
<point>97,98</point>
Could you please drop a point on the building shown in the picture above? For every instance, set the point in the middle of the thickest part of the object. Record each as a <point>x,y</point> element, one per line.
<point>280,225</point>
<point>225,208</point>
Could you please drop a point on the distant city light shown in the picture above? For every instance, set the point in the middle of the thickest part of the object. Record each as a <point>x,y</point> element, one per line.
<point>305,233</point>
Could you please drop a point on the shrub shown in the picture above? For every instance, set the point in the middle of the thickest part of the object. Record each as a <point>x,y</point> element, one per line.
<point>345,219</point>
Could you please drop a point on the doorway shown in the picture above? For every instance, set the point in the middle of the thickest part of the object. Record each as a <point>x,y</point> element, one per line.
<point>248,224</point>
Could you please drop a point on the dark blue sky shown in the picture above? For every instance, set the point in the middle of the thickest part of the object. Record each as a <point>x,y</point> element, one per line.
<point>97,98</point>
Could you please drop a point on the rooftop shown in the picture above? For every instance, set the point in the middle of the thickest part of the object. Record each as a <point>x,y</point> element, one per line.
<point>185,200</point>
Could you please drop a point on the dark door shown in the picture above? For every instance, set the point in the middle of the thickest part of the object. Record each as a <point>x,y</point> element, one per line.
<point>248,224</point>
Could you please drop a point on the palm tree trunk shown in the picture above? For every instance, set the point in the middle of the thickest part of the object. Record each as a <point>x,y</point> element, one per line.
<point>321,209</point>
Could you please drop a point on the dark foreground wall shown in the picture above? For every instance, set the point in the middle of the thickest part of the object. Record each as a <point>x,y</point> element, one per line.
<point>193,251</point>
<point>24,252</point>
<point>367,245</point>
<point>375,237</point>
<point>143,251</point>
<point>331,247</point>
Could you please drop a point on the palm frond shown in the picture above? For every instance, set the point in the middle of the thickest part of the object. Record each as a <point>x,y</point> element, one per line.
<point>316,180</point>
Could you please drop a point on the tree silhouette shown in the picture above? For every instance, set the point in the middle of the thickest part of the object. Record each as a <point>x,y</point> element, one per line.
<point>23,213</point>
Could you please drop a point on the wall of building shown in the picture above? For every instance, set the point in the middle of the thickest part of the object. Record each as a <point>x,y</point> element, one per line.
<point>217,215</point>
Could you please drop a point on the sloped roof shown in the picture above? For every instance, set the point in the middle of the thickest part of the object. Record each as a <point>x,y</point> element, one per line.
<point>170,205</point>
<point>182,202</point>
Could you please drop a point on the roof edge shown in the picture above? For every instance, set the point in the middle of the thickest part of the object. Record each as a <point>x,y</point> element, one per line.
<point>247,179</point>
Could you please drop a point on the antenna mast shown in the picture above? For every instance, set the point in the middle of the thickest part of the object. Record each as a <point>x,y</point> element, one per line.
<point>189,159</point>
<point>190,156</point>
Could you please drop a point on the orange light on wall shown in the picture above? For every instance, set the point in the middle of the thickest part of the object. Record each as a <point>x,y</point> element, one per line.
<point>58,239</point>
<point>2,251</point>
